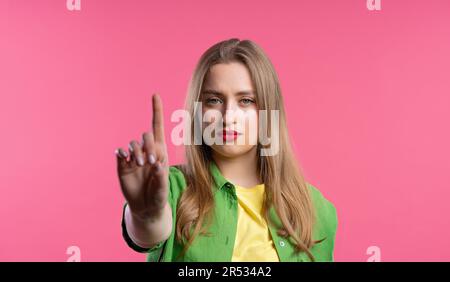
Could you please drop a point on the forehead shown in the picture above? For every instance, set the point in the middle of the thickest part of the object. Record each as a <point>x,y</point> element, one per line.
<point>228,78</point>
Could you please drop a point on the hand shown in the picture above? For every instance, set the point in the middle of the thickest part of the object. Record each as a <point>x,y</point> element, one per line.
<point>144,176</point>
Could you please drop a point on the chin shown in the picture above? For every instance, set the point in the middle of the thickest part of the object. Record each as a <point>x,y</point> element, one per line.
<point>231,151</point>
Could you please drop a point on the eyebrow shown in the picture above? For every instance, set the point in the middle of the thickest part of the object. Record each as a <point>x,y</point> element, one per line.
<point>215,92</point>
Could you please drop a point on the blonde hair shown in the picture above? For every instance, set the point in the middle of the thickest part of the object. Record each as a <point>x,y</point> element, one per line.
<point>285,187</point>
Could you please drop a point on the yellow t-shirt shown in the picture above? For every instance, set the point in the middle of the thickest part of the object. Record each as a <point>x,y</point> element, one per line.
<point>253,240</point>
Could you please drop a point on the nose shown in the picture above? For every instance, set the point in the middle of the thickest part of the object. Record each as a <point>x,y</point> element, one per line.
<point>229,116</point>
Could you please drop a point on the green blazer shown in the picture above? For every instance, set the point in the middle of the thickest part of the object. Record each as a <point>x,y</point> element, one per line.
<point>219,247</point>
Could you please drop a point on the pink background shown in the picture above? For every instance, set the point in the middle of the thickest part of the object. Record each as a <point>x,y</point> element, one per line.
<point>367,96</point>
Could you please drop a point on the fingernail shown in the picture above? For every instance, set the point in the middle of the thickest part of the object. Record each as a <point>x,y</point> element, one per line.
<point>130,147</point>
<point>151,159</point>
<point>116,152</point>
<point>123,153</point>
<point>140,161</point>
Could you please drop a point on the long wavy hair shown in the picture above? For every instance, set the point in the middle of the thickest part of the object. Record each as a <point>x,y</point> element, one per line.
<point>285,186</point>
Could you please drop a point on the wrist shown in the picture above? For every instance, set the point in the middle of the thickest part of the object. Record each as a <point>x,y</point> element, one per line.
<point>147,217</point>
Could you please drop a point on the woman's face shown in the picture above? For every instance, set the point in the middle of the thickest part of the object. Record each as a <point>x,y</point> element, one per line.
<point>228,90</point>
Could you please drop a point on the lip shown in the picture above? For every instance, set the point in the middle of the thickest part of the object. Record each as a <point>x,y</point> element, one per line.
<point>229,134</point>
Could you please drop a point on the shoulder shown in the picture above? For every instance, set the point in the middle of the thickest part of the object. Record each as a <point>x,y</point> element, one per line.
<point>177,181</point>
<point>326,214</point>
<point>325,225</point>
<point>176,174</point>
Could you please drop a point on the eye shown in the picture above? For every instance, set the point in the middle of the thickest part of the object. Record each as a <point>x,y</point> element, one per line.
<point>213,101</point>
<point>247,101</point>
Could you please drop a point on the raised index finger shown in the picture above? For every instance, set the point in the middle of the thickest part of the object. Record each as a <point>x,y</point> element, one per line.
<point>158,119</point>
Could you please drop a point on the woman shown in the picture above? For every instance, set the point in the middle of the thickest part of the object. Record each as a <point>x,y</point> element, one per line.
<point>229,201</point>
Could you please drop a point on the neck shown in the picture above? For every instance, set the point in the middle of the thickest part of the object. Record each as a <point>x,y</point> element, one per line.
<point>241,170</point>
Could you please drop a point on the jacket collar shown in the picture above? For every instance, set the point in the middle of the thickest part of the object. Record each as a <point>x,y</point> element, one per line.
<point>219,179</point>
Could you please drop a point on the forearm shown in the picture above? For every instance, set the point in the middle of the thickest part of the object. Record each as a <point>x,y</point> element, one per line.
<point>149,232</point>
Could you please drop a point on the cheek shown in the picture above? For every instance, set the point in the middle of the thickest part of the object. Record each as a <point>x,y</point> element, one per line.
<point>209,117</point>
<point>251,125</point>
